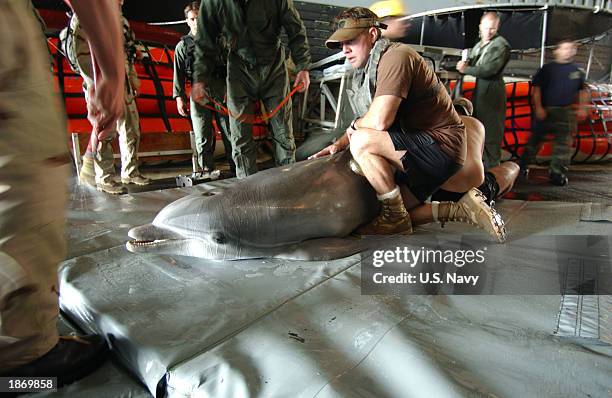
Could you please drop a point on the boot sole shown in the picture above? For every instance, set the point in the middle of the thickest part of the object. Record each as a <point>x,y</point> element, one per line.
<point>499,227</point>
<point>136,183</point>
<point>111,193</point>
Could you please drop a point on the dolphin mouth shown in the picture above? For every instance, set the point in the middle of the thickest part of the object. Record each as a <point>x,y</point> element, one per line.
<point>149,238</point>
<point>139,246</point>
<point>154,242</point>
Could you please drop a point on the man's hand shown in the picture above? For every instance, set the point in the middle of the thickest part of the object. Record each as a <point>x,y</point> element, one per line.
<point>461,65</point>
<point>181,106</point>
<point>540,113</point>
<point>198,92</point>
<point>336,147</point>
<point>106,105</point>
<point>330,150</point>
<point>302,77</point>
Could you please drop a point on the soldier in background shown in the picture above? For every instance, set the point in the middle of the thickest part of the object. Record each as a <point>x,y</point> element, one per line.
<point>256,69</point>
<point>486,62</point>
<point>98,166</point>
<point>557,86</point>
<point>201,117</point>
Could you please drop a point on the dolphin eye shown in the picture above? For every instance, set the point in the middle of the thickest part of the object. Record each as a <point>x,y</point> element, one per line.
<point>219,238</point>
<point>208,193</point>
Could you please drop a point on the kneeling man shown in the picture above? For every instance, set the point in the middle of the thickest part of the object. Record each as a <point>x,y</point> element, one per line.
<point>408,140</point>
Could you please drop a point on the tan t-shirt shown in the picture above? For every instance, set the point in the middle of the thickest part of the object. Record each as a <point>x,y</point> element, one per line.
<point>402,72</point>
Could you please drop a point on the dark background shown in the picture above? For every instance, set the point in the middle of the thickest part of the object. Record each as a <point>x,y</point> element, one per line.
<point>136,10</point>
<point>316,17</point>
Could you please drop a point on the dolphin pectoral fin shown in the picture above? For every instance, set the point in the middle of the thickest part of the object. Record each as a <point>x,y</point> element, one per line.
<point>322,249</point>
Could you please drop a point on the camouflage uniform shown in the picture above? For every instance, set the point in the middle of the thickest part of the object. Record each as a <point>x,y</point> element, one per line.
<point>487,63</point>
<point>255,68</point>
<point>202,117</point>
<point>128,126</point>
<point>33,197</point>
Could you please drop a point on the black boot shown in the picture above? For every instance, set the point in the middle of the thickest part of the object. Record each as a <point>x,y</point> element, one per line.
<point>558,179</point>
<point>72,358</point>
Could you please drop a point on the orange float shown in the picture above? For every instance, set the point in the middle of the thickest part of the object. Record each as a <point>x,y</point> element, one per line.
<point>593,141</point>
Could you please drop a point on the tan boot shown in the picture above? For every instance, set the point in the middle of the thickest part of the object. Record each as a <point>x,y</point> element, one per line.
<point>87,175</point>
<point>473,209</point>
<point>137,179</point>
<point>111,187</point>
<point>393,219</point>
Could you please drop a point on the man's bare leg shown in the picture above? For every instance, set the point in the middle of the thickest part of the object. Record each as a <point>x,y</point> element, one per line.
<point>472,173</point>
<point>505,175</point>
<point>377,158</point>
<point>373,150</point>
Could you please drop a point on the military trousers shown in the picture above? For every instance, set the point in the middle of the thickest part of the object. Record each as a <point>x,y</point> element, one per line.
<point>202,123</point>
<point>561,123</point>
<point>269,83</point>
<point>33,175</point>
<point>490,108</point>
<point>128,131</point>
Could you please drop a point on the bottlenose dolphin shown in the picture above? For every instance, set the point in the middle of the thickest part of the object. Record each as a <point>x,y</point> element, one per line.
<point>300,211</point>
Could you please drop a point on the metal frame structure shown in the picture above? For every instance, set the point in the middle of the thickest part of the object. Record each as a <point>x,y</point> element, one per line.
<point>597,6</point>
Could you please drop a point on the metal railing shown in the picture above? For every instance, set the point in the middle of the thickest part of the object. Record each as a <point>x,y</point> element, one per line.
<point>592,4</point>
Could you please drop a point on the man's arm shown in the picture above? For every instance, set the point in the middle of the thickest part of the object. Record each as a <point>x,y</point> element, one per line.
<point>393,83</point>
<point>206,50</point>
<point>298,42</point>
<point>179,79</point>
<point>381,114</point>
<point>536,100</point>
<point>492,63</point>
<point>296,32</point>
<point>100,20</point>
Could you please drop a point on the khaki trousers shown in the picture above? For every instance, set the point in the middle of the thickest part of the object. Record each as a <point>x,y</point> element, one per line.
<point>33,175</point>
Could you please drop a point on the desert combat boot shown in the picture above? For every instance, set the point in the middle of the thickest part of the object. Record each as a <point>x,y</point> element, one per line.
<point>392,219</point>
<point>473,209</point>
<point>137,179</point>
<point>87,174</point>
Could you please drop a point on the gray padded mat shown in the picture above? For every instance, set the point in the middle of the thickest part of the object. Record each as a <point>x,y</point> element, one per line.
<point>273,328</point>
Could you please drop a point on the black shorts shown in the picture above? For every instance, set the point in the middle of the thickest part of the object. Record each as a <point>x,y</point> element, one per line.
<point>426,165</point>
